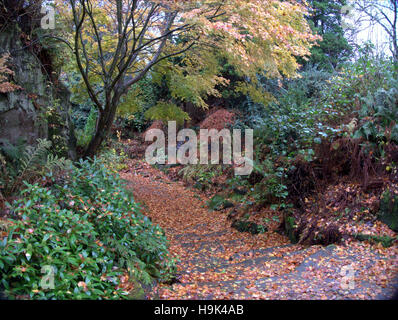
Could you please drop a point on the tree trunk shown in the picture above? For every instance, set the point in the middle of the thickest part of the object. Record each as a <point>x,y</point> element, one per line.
<point>94,144</point>
<point>103,129</point>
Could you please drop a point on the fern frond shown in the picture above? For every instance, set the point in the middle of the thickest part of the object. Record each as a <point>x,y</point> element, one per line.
<point>54,163</point>
<point>33,156</point>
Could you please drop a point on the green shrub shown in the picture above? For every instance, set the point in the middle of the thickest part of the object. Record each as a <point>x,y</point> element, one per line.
<point>113,156</point>
<point>368,89</point>
<point>167,111</point>
<point>270,187</point>
<point>135,122</point>
<point>201,175</point>
<point>308,111</point>
<point>89,229</point>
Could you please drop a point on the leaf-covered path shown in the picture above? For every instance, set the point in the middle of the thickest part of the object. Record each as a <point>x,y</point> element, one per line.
<point>218,262</point>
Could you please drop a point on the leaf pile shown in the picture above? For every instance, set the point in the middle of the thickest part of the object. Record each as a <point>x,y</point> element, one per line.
<point>218,262</point>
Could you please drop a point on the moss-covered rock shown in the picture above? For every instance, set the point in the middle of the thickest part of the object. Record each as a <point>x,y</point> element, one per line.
<point>24,112</point>
<point>389,210</point>
<point>248,226</point>
<point>20,110</point>
<point>386,241</point>
<point>218,202</point>
<point>288,227</point>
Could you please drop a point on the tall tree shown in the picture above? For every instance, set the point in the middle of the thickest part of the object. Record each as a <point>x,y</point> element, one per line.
<point>115,43</point>
<point>326,19</point>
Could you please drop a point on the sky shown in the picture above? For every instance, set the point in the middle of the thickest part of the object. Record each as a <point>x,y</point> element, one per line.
<point>376,34</point>
<point>369,32</point>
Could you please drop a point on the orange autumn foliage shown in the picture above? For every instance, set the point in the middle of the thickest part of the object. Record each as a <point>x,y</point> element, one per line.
<point>219,120</point>
<point>5,73</point>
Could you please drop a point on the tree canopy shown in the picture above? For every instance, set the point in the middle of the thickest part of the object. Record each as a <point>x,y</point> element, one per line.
<point>115,43</point>
<point>326,20</point>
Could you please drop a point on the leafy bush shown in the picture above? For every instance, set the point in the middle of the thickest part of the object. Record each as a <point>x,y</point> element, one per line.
<point>295,120</point>
<point>131,111</point>
<point>368,74</point>
<point>244,225</point>
<point>271,189</point>
<point>135,122</point>
<point>113,156</point>
<point>88,228</point>
<point>309,110</point>
<point>288,127</point>
<point>201,175</point>
<point>166,111</point>
<point>368,89</point>
<point>5,72</point>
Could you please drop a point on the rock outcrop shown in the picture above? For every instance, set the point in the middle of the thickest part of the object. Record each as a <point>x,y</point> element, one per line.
<point>20,110</point>
<point>23,116</point>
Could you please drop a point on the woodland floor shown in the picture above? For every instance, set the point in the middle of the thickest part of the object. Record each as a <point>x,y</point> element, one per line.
<point>219,262</point>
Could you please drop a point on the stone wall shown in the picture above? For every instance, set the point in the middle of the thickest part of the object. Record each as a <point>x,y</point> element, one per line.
<point>22,112</point>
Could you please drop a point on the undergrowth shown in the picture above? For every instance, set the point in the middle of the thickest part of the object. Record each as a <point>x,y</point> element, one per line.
<point>88,230</point>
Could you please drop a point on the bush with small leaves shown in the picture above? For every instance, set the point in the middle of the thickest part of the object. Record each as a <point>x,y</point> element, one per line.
<point>89,230</point>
